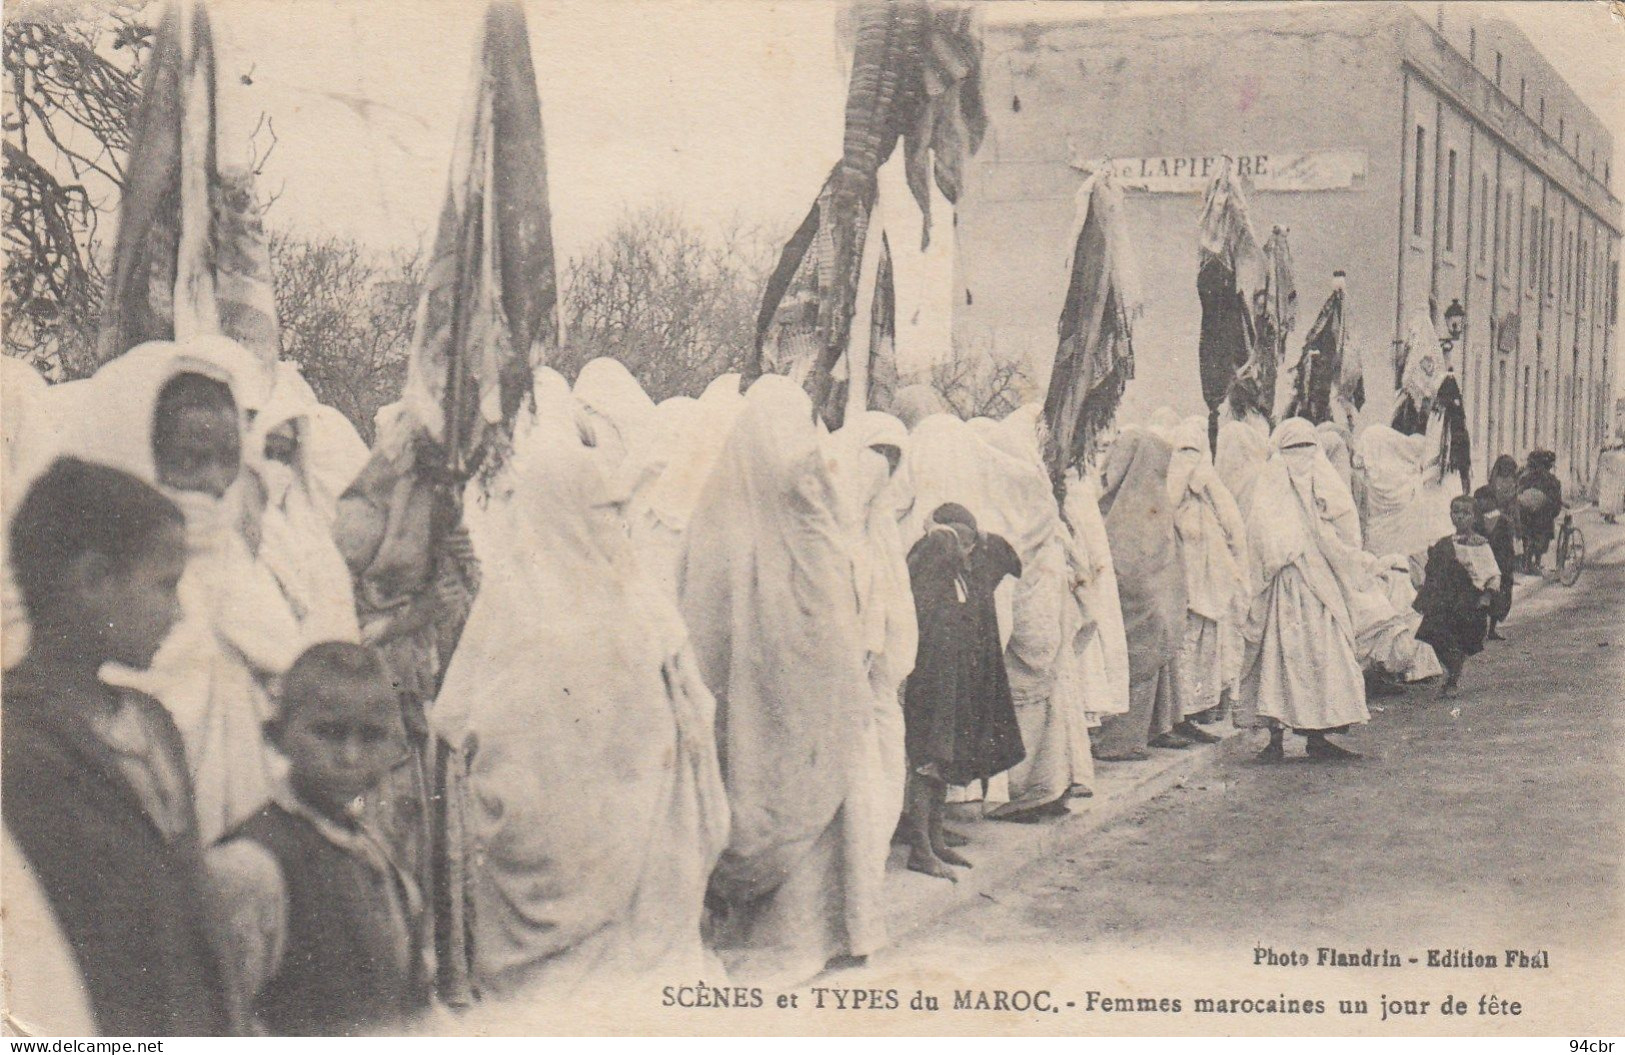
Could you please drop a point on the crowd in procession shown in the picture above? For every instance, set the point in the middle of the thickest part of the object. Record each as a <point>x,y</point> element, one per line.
<point>682,676</point>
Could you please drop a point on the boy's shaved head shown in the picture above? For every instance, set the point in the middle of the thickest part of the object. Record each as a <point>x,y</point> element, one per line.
<point>77,508</point>
<point>321,666</point>
<point>339,727</point>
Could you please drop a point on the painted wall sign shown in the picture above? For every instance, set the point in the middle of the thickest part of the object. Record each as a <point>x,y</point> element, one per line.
<point>1283,171</point>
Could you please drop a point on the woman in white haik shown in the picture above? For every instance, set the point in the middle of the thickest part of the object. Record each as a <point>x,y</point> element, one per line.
<point>692,436</point>
<point>1213,550</point>
<point>1054,662</point>
<point>596,810</point>
<point>1304,560</point>
<point>1243,448</point>
<point>766,588</point>
<point>238,632</point>
<point>867,453</point>
<point>303,460</point>
<point>1401,513</point>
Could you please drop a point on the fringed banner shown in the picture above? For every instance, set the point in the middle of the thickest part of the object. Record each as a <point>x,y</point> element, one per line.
<point>1094,357</point>
<point>916,76</point>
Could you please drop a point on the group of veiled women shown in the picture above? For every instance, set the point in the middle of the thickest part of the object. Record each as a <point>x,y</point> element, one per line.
<point>720,659</point>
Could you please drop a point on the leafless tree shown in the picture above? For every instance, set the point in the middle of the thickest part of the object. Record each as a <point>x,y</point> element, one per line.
<point>677,307</point>
<point>346,316</point>
<point>977,384</point>
<point>73,75</point>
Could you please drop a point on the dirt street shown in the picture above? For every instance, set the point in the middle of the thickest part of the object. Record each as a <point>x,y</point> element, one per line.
<point>1491,820</point>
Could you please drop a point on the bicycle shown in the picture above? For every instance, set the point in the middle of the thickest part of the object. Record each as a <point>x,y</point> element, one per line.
<point>1571,551</point>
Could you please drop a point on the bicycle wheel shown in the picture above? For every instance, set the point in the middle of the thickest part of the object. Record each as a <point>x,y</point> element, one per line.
<point>1574,558</point>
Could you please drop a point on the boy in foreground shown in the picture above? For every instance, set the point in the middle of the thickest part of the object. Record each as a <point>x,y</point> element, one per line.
<point>322,930</point>
<point>95,779</point>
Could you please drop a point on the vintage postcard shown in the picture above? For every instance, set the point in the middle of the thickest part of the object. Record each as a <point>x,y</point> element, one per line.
<point>833,517</point>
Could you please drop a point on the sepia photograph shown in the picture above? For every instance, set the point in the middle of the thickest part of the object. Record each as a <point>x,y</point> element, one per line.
<point>923,518</point>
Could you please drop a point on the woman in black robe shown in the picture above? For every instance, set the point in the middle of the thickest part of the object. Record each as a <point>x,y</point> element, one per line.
<point>1497,506</point>
<point>959,718</point>
<point>1540,509</point>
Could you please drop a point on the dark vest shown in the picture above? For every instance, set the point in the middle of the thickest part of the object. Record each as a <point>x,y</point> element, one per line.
<point>129,901</point>
<point>338,974</point>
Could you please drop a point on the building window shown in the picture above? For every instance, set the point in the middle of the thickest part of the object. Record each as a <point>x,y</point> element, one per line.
<point>1472,45</point>
<point>1613,293</point>
<point>1498,69</point>
<point>1483,218</point>
<point>1498,405</point>
<point>1567,283</point>
<point>1546,254</point>
<point>1523,83</point>
<point>1450,205</point>
<point>1503,237</point>
<point>1533,267</point>
<point>1579,273</point>
<point>1543,113</point>
<point>1416,195</point>
<point>1562,133</point>
<point>1523,426</point>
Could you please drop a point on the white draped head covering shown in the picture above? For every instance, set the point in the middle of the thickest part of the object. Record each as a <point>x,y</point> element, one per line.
<point>238,629</point>
<point>880,567</point>
<point>1302,516</point>
<point>1163,422</point>
<point>330,452</point>
<point>1398,518</point>
<point>1241,455</point>
<point>27,406</point>
<point>915,403</point>
<point>1335,439</point>
<point>300,502</point>
<point>765,585</point>
<point>619,411</point>
<point>595,795</point>
<point>113,419</point>
<point>1211,530</point>
<point>22,398</point>
<point>673,496</point>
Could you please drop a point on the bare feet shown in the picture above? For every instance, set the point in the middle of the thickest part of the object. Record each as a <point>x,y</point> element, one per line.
<point>1274,751</point>
<point>953,838</point>
<point>950,856</point>
<point>928,864</point>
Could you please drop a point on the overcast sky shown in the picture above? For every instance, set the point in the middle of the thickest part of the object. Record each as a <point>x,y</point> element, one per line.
<point>715,107</point>
<point>723,110</point>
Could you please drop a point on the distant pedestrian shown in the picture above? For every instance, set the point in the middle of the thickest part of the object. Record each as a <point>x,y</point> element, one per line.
<point>1540,498</point>
<point>1458,589</point>
<point>1497,508</point>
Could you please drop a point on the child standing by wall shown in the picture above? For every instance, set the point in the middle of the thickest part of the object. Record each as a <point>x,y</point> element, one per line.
<point>322,927</point>
<point>1457,591</point>
<point>95,779</point>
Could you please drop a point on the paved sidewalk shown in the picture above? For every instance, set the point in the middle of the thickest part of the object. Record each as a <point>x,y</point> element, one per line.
<point>1000,849</point>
